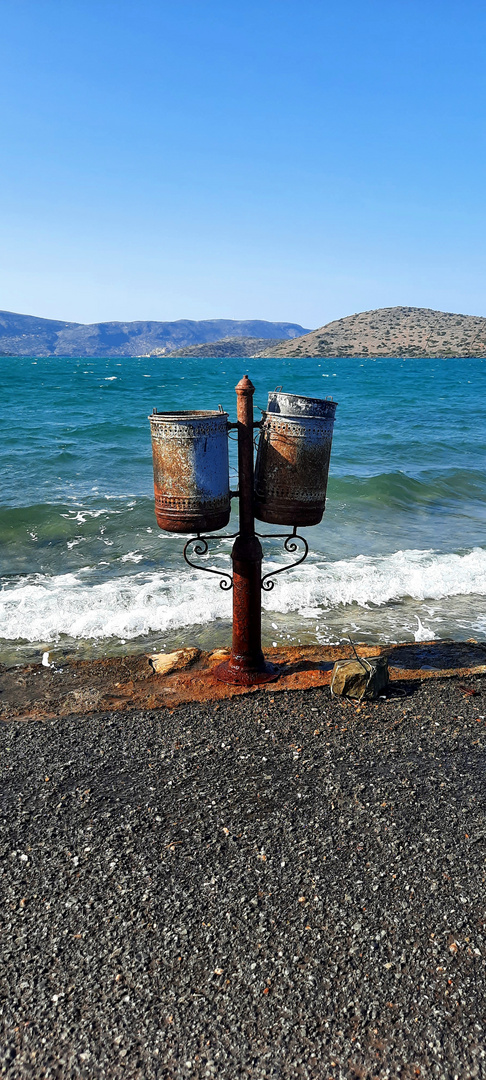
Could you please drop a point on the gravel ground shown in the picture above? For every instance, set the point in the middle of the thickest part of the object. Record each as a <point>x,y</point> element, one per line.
<point>275,886</point>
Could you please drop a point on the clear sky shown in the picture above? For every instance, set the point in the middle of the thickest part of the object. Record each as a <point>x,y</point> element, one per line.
<point>273,159</point>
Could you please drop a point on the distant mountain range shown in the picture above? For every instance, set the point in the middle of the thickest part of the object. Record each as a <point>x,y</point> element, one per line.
<point>26,335</point>
<point>395,332</point>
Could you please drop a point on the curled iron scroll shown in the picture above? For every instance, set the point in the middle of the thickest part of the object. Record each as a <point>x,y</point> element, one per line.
<point>291,546</point>
<point>200,548</point>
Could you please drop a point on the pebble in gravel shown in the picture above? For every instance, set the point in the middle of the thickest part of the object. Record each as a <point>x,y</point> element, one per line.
<point>275,886</point>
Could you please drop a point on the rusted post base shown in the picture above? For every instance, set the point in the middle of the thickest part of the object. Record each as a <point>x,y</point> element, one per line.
<point>246,665</point>
<point>230,673</point>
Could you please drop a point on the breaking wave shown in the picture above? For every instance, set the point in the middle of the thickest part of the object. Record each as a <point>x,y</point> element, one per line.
<point>41,607</point>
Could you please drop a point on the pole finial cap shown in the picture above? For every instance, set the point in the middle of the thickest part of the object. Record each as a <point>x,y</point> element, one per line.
<point>245,386</point>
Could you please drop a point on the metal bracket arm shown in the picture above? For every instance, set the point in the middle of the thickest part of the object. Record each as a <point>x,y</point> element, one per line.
<point>200,548</point>
<point>291,546</point>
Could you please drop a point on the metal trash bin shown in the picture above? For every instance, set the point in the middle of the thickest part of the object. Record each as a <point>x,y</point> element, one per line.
<point>191,470</point>
<point>293,456</point>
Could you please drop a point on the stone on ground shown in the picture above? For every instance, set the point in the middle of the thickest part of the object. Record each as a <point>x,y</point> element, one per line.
<point>366,678</point>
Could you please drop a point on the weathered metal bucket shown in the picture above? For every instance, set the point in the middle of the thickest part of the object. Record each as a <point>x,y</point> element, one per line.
<point>191,470</point>
<point>293,459</point>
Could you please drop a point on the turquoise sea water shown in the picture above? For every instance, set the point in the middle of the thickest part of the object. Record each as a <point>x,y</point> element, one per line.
<point>400,553</point>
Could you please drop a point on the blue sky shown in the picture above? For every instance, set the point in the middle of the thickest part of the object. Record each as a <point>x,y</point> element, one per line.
<point>274,159</point>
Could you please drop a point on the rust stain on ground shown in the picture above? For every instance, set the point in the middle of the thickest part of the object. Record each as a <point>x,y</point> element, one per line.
<point>34,692</point>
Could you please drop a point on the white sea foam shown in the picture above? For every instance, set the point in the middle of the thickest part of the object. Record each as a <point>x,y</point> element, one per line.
<point>367,580</point>
<point>81,516</point>
<point>41,608</point>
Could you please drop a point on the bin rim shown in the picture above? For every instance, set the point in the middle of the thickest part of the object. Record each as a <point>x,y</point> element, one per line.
<point>188,414</point>
<point>273,394</point>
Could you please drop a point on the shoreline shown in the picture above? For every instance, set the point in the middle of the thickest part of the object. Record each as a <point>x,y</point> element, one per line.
<point>170,680</point>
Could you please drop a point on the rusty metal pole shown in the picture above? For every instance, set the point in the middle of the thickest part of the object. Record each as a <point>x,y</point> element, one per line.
<point>246,665</point>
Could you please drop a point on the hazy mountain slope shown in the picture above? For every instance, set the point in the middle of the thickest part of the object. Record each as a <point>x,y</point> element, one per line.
<point>394,332</point>
<point>26,335</point>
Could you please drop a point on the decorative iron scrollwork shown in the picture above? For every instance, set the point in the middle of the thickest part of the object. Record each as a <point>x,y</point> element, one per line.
<point>291,546</point>
<point>200,548</point>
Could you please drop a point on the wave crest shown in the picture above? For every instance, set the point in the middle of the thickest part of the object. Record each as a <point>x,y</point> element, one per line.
<point>42,607</point>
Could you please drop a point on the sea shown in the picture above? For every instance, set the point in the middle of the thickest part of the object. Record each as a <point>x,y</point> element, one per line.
<point>400,554</point>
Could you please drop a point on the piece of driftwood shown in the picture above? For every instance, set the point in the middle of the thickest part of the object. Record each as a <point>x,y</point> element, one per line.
<point>366,677</point>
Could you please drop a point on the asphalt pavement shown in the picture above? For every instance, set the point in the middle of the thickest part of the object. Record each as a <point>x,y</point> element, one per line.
<point>275,886</point>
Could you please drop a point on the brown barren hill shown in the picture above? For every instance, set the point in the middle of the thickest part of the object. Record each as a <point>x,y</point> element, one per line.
<point>395,332</point>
